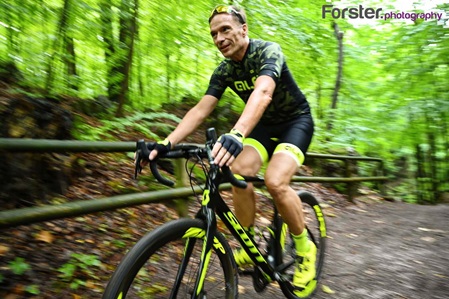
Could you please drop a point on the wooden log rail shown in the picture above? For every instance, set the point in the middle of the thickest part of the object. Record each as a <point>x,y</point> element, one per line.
<point>24,216</point>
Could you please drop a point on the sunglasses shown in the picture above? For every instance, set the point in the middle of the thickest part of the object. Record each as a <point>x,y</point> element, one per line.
<point>226,9</point>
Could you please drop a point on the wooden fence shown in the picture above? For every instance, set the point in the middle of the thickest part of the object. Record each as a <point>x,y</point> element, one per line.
<point>30,215</point>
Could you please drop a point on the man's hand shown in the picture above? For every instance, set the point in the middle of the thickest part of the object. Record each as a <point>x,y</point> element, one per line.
<point>157,148</point>
<point>227,147</point>
<point>160,148</point>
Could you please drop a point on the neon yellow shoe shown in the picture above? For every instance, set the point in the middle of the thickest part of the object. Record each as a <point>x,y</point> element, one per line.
<point>304,278</point>
<point>242,258</point>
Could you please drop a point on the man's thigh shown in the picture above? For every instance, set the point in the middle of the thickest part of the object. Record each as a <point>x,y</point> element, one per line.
<point>248,162</point>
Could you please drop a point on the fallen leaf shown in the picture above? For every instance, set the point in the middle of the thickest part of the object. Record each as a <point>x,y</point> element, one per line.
<point>45,236</point>
<point>3,249</point>
<point>19,289</point>
<point>431,230</point>
<point>327,289</point>
<point>329,214</point>
<point>90,284</point>
<point>428,239</point>
<point>242,289</point>
<point>352,236</point>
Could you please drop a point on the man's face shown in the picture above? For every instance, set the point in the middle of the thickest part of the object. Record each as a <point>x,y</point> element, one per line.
<point>229,36</point>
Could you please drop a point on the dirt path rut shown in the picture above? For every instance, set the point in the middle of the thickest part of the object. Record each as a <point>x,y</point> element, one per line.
<point>383,251</point>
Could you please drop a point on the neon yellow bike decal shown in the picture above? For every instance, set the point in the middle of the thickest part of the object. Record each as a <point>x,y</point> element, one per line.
<point>206,198</point>
<point>196,232</point>
<point>203,271</point>
<point>320,217</point>
<point>239,229</point>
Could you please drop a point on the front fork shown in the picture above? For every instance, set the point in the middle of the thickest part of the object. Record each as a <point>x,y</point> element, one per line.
<point>211,227</point>
<point>207,214</point>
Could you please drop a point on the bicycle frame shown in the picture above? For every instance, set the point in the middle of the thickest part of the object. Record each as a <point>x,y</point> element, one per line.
<point>212,204</point>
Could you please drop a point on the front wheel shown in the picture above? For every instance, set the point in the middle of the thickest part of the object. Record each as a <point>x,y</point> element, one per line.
<point>316,227</point>
<point>151,267</point>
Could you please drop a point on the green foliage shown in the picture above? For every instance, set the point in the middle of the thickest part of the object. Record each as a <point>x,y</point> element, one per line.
<point>18,266</point>
<point>393,97</point>
<point>32,289</point>
<point>78,268</point>
<point>151,125</point>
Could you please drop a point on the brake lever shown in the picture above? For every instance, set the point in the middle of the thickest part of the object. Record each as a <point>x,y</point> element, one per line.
<point>140,155</point>
<point>137,166</point>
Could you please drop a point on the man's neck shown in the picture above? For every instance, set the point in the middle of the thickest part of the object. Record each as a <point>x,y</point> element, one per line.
<point>243,52</point>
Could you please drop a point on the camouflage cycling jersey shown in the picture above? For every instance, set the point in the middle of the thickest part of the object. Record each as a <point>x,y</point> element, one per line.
<point>261,58</point>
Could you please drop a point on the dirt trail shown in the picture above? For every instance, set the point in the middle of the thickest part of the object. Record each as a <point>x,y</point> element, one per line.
<point>383,251</point>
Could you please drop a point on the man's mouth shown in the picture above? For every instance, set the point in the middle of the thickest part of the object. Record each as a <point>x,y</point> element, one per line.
<point>224,48</point>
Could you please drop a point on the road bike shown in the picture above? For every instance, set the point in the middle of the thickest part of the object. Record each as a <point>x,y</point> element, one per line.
<point>192,257</point>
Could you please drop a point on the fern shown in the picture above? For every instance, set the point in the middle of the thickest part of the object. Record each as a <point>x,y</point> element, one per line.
<point>138,121</point>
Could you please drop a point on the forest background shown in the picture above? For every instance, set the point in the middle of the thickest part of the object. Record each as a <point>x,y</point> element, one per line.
<point>379,87</point>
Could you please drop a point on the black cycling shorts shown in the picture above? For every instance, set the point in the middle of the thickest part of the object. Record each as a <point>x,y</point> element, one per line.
<point>292,137</point>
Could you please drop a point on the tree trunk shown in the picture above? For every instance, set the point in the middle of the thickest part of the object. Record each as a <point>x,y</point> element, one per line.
<point>419,175</point>
<point>140,81</point>
<point>109,43</point>
<point>128,29</point>
<point>63,25</point>
<point>445,164</point>
<point>70,63</point>
<point>119,52</point>
<point>432,156</point>
<point>339,36</point>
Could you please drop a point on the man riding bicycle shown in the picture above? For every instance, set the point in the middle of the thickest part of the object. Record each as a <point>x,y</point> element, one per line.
<point>275,127</point>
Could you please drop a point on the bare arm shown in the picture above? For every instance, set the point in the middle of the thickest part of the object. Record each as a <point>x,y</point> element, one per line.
<point>193,118</point>
<point>257,104</point>
<point>255,107</point>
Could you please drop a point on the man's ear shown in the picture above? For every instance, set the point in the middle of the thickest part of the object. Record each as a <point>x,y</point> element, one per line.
<point>245,30</point>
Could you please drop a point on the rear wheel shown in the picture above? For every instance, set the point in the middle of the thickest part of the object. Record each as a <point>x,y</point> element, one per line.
<point>316,227</point>
<point>150,268</point>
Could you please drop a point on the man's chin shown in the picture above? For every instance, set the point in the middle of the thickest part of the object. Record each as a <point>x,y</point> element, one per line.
<point>226,54</point>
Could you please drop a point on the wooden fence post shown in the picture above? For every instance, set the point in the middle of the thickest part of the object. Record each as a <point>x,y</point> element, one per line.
<point>381,185</point>
<point>350,185</point>
<point>182,180</point>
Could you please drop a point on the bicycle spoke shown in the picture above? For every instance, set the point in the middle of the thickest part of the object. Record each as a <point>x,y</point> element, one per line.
<point>165,264</point>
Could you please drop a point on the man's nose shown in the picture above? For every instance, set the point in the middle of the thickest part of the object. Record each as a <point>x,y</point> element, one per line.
<point>219,38</point>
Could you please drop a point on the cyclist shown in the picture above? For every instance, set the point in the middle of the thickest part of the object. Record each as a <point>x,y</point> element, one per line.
<point>275,127</point>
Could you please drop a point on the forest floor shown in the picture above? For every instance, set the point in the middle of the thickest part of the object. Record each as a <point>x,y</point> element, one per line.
<point>376,249</point>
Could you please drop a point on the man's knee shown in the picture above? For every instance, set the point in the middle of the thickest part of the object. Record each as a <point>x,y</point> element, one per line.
<point>276,184</point>
<point>247,163</point>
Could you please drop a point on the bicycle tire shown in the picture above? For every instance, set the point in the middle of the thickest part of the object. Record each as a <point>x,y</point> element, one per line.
<point>150,267</point>
<point>316,227</point>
